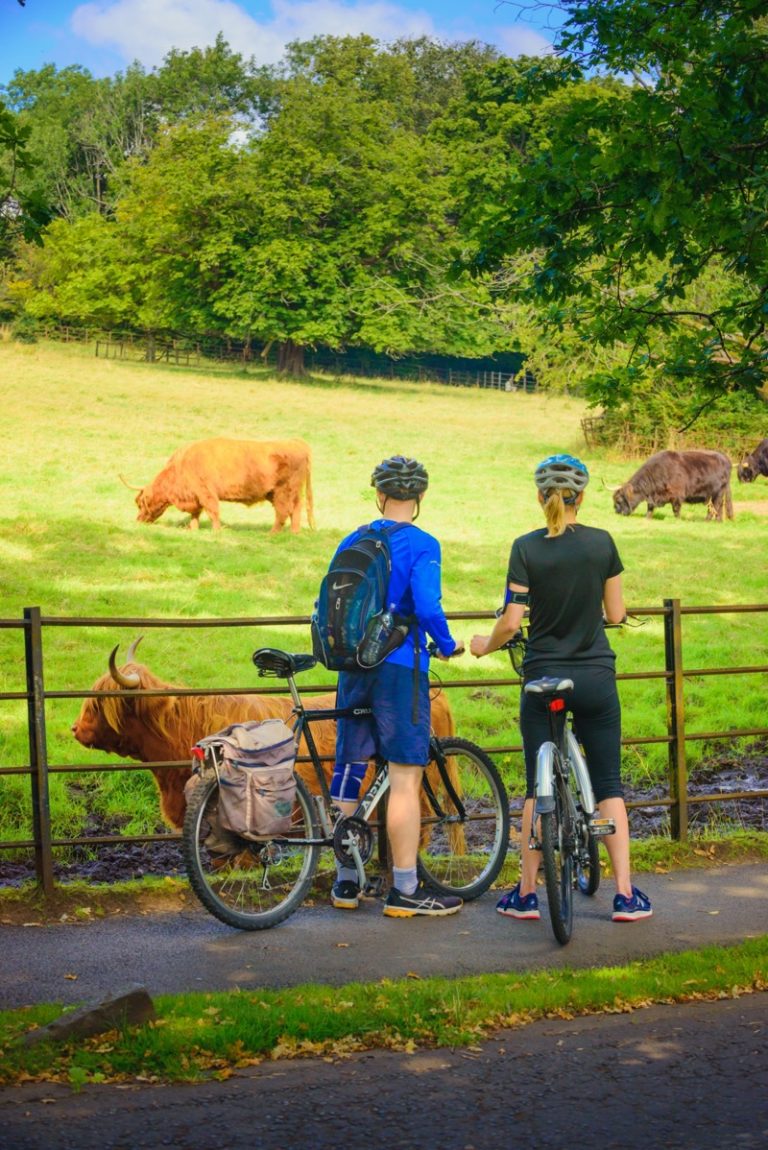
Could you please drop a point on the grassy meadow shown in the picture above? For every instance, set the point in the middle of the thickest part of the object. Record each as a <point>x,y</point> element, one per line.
<point>70,544</point>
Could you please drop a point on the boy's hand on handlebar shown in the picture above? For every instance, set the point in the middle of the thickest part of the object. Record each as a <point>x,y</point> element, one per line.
<point>434,651</point>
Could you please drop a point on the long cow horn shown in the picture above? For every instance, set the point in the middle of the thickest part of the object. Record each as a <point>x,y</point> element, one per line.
<point>130,682</point>
<point>130,486</point>
<point>129,658</point>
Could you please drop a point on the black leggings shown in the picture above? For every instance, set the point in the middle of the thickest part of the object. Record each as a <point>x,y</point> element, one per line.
<point>595,705</point>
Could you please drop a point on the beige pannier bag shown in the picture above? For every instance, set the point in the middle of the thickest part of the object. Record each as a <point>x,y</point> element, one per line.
<point>257,784</point>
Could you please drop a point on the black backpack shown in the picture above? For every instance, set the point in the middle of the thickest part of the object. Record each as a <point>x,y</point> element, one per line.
<point>351,626</point>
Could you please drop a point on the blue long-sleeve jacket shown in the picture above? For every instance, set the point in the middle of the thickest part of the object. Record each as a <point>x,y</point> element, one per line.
<point>414,589</point>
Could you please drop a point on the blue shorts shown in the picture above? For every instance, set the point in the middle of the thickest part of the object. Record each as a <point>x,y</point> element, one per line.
<point>389,730</point>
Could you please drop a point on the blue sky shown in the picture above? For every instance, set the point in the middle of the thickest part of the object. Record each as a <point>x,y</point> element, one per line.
<point>106,35</point>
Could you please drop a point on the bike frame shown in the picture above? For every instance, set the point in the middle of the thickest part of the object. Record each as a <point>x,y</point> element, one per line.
<point>304,717</point>
<point>568,747</point>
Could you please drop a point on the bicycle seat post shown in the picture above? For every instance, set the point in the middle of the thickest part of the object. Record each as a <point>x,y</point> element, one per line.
<point>294,690</point>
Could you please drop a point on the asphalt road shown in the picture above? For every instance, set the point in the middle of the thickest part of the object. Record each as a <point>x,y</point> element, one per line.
<point>690,1077</point>
<point>169,953</point>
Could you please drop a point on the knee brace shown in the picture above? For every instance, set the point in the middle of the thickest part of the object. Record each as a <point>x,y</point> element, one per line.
<point>347,780</point>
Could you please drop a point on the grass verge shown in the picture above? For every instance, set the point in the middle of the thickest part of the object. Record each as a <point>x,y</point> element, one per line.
<point>214,1035</point>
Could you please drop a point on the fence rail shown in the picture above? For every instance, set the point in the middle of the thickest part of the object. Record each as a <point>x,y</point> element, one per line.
<point>192,350</point>
<point>39,769</point>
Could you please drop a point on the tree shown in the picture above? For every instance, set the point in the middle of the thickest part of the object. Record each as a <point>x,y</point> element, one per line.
<point>80,132</point>
<point>632,190</point>
<point>351,228</point>
<point>329,222</point>
<point>22,215</point>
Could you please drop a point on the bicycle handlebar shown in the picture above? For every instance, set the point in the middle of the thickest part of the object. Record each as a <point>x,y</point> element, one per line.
<point>434,652</point>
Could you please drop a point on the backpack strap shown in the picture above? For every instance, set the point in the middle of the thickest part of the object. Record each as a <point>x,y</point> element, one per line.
<point>411,620</point>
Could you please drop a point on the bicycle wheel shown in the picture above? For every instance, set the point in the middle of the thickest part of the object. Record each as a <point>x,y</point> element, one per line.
<point>588,864</point>
<point>248,885</point>
<point>461,854</point>
<point>556,846</point>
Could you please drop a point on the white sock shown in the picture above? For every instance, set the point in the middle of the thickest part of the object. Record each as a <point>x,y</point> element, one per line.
<point>405,880</point>
<point>345,873</point>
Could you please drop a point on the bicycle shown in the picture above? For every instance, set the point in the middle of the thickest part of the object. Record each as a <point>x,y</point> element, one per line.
<point>252,885</point>
<point>564,803</point>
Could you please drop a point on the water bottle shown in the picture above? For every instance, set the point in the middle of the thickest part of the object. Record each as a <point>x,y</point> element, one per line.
<point>373,647</point>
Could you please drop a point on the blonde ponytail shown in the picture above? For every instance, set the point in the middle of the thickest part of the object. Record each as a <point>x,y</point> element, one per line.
<point>554,510</point>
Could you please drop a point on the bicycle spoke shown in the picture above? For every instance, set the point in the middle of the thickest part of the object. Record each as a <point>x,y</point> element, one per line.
<point>463,855</point>
<point>248,885</point>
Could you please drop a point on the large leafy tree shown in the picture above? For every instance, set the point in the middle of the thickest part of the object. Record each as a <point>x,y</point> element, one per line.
<point>627,193</point>
<point>329,225</point>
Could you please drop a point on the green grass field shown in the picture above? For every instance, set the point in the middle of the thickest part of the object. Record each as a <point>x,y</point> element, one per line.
<point>70,544</point>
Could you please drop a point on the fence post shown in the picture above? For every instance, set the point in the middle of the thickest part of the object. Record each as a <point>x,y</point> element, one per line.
<point>678,775</point>
<point>38,753</point>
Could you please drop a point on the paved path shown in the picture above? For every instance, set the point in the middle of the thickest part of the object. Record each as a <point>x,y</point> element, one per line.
<point>692,1077</point>
<point>191,950</point>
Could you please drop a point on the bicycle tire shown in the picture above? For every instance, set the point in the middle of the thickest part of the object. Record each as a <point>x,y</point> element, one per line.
<point>558,863</point>
<point>463,856</point>
<point>588,874</point>
<point>264,882</point>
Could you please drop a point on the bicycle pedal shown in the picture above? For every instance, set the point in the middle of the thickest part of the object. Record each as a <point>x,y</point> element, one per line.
<point>374,888</point>
<point>601,827</point>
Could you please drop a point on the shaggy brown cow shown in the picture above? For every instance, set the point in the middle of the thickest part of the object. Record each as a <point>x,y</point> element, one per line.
<point>196,478</point>
<point>754,463</point>
<point>163,729</point>
<point>679,477</point>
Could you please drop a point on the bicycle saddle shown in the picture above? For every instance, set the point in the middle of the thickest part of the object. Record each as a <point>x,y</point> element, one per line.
<point>272,661</point>
<point>549,685</point>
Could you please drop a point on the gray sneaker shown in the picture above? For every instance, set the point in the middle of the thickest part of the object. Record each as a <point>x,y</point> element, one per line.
<point>423,902</point>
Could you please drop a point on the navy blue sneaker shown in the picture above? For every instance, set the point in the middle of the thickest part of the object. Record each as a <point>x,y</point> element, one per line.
<point>630,909</point>
<point>515,905</point>
<point>345,895</point>
<point>423,901</point>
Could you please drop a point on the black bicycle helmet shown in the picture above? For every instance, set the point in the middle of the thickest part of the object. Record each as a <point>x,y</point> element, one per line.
<point>561,471</point>
<point>400,478</point>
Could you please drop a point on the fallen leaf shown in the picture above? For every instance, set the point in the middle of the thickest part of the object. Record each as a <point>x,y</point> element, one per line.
<point>342,945</point>
<point>71,977</point>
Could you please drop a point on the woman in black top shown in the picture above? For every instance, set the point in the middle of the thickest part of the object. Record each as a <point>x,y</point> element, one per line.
<point>569,576</point>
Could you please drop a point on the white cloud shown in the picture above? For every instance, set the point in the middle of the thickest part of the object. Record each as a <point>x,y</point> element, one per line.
<point>146,30</point>
<point>518,40</point>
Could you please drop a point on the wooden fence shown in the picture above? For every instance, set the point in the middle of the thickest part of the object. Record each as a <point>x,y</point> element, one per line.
<point>39,769</point>
<point>192,351</point>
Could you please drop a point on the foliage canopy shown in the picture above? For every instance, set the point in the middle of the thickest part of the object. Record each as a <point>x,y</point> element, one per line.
<point>629,192</point>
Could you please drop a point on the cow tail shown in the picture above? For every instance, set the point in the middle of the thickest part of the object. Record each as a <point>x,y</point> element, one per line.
<point>728,502</point>
<point>308,493</point>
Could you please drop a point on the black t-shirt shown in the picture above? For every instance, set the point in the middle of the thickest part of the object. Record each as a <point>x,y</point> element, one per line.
<point>565,575</point>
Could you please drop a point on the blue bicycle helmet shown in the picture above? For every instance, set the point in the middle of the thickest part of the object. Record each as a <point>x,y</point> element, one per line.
<point>564,472</point>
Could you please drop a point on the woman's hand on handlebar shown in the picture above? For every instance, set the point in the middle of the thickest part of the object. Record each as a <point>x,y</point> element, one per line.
<point>479,645</point>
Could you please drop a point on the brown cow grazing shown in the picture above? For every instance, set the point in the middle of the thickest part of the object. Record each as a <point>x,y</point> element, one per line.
<point>163,729</point>
<point>679,477</point>
<point>754,463</point>
<point>198,477</point>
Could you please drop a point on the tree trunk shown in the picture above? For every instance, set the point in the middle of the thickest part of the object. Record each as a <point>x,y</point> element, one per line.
<point>290,358</point>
